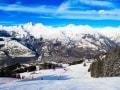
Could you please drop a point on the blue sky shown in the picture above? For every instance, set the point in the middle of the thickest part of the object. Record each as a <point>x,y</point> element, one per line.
<point>97,13</point>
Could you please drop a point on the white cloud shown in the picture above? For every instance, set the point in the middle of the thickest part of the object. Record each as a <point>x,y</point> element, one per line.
<point>38,9</point>
<point>101,12</point>
<point>64,6</point>
<point>63,10</point>
<point>97,2</point>
<point>6,22</point>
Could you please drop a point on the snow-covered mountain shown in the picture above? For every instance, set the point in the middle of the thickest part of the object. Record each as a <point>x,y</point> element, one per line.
<point>11,49</point>
<point>16,49</point>
<point>77,42</point>
<point>11,45</point>
<point>112,33</point>
<point>81,36</point>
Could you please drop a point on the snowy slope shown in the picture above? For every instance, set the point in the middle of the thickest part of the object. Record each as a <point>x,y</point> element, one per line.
<point>112,33</point>
<point>16,49</point>
<point>73,77</point>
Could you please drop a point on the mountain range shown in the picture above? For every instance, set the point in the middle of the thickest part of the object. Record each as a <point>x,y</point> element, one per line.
<point>35,40</point>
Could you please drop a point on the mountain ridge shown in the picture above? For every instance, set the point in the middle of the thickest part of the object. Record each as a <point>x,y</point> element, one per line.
<point>73,41</point>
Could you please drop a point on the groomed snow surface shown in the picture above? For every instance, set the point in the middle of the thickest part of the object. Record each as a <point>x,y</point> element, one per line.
<point>73,77</point>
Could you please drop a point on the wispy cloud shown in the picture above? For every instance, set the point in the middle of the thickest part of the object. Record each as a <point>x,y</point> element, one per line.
<point>86,9</point>
<point>7,23</point>
<point>77,9</point>
<point>37,9</point>
<point>106,3</point>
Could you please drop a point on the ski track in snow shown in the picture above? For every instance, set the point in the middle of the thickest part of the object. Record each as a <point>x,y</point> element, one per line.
<point>73,77</point>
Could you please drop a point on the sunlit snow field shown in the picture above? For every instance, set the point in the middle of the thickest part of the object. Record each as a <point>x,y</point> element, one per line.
<point>75,77</point>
